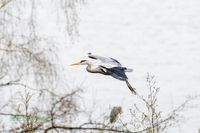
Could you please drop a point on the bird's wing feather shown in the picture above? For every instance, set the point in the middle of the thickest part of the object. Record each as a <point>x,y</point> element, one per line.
<point>118,73</point>
<point>108,60</point>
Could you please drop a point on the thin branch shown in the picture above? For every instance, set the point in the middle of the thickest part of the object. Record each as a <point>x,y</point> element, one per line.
<point>87,128</point>
<point>9,83</point>
<point>5,3</point>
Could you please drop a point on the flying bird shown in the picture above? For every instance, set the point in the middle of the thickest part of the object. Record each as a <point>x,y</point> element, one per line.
<point>107,66</point>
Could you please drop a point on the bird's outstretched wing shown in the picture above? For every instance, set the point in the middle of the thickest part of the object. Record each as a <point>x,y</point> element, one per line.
<point>118,73</point>
<point>109,60</point>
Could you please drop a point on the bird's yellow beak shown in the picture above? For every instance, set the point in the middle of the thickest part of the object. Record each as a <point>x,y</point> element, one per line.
<point>74,64</point>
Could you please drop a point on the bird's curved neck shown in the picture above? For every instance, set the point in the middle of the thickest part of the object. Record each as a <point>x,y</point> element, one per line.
<point>89,65</point>
<point>89,68</point>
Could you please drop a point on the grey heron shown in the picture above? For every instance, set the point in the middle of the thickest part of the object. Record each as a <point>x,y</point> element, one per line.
<point>107,66</point>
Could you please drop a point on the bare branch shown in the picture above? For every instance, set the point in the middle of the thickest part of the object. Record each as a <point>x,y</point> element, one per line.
<point>4,3</point>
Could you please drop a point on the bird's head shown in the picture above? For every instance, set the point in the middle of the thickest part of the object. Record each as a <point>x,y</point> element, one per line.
<point>82,62</point>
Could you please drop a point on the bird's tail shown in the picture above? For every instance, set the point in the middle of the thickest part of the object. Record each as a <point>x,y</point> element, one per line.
<point>131,88</point>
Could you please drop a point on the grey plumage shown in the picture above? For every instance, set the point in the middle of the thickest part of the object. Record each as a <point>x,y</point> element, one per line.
<point>116,70</point>
<point>108,60</point>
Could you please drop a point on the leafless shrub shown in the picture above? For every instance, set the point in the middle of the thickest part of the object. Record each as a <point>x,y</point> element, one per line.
<point>70,8</point>
<point>152,120</point>
<point>29,115</point>
<point>29,62</point>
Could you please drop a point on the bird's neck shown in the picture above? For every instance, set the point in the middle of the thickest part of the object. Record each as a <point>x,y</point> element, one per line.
<point>89,68</point>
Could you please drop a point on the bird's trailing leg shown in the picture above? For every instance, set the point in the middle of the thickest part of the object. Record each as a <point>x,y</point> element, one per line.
<point>131,88</point>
